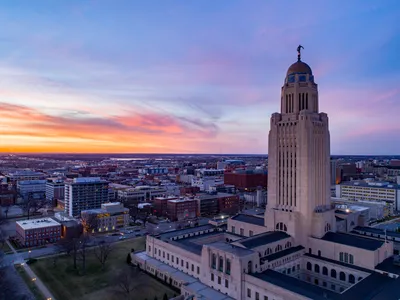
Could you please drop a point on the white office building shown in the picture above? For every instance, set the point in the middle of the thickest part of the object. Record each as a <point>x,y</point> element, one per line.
<point>85,193</point>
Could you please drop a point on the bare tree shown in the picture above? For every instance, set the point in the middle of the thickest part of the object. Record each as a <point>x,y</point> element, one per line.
<point>82,251</point>
<point>125,282</point>
<point>102,252</point>
<point>89,222</point>
<point>31,205</point>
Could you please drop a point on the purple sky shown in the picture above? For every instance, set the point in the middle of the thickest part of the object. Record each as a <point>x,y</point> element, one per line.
<point>193,76</point>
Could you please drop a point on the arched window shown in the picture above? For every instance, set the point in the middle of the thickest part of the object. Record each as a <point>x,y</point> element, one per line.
<point>280,226</point>
<point>316,268</point>
<point>352,279</point>
<point>327,227</point>
<point>288,245</point>
<point>342,276</point>
<point>309,266</point>
<point>316,281</point>
<point>250,267</point>
<point>269,251</point>
<point>278,248</point>
<point>333,273</point>
<point>325,271</point>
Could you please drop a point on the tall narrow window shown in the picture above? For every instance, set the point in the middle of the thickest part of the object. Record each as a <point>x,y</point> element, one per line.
<point>299,108</point>
<point>214,261</point>
<point>228,266</point>
<point>221,264</point>
<point>306,100</point>
<point>287,100</point>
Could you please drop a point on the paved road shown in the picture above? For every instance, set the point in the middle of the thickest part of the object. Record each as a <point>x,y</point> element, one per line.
<point>42,288</point>
<point>20,257</point>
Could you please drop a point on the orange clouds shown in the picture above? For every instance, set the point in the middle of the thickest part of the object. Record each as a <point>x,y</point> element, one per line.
<point>25,129</point>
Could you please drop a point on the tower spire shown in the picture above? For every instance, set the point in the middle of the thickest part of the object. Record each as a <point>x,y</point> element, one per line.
<point>298,52</point>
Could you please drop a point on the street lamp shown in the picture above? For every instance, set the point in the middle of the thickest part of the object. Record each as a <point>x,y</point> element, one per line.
<point>29,252</point>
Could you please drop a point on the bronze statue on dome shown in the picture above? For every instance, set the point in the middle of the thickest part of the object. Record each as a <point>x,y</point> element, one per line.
<point>298,52</point>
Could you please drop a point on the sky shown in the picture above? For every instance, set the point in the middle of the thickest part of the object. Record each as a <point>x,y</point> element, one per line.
<point>189,76</point>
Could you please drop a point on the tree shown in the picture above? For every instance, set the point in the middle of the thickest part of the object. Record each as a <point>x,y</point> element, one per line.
<point>102,252</point>
<point>31,205</point>
<point>134,211</point>
<point>129,259</point>
<point>89,222</point>
<point>82,250</point>
<point>126,283</point>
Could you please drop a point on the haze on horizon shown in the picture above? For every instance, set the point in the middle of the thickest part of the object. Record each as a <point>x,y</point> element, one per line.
<point>192,76</point>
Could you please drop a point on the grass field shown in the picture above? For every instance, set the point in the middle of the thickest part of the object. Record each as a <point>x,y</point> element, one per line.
<point>65,284</point>
<point>31,285</point>
<point>5,248</point>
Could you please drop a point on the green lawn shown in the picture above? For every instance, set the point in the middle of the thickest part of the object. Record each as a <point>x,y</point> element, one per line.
<point>64,282</point>
<point>5,248</point>
<point>31,285</point>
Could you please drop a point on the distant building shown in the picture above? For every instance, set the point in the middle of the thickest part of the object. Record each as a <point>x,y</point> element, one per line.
<point>181,209</point>
<point>153,171</point>
<point>20,175</point>
<point>370,191</point>
<point>189,190</point>
<point>31,189</point>
<point>109,217</point>
<point>38,231</point>
<point>161,205</point>
<point>55,189</point>
<point>247,179</point>
<point>210,205</point>
<point>377,209</point>
<point>141,193</point>
<point>85,193</point>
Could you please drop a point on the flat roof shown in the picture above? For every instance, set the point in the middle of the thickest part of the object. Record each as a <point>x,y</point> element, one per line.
<point>353,241</point>
<point>205,291</point>
<point>388,266</point>
<point>375,230</point>
<point>283,253</point>
<point>227,247</point>
<point>37,223</point>
<point>251,219</point>
<point>295,285</point>
<point>263,239</point>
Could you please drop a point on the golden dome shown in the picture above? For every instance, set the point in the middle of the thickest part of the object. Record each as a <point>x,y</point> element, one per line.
<point>299,67</point>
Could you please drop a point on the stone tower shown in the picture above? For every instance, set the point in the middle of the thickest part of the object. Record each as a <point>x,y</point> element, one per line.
<point>299,160</point>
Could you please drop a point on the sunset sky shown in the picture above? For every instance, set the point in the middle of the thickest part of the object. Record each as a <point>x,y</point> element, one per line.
<point>188,76</point>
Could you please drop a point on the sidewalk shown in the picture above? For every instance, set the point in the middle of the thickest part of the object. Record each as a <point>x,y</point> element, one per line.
<point>40,285</point>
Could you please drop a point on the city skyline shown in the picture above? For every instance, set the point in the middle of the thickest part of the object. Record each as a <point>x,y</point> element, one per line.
<point>193,77</point>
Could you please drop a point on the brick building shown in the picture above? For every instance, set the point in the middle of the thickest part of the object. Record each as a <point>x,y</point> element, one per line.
<point>210,205</point>
<point>181,209</point>
<point>38,231</point>
<point>161,205</point>
<point>243,179</point>
<point>193,190</point>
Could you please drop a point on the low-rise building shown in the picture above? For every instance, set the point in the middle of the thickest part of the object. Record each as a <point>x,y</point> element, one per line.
<point>55,189</point>
<point>34,189</point>
<point>38,231</point>
<point>181,209</point>
<point>370,191</point>
<point>109,217</point>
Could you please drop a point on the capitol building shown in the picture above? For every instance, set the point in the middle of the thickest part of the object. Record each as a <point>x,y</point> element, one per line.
<point>294,251</point>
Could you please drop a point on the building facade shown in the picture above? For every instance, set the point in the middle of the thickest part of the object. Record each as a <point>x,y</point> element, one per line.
<point>384,192</point>
<point>31,189</point>
<point>182,209</point>
<point>38,231</point>
<point>110,216</point>
<point>55,189</point>
<point>295,250</point>
<point>85,193</point>
<point>246,179</point>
